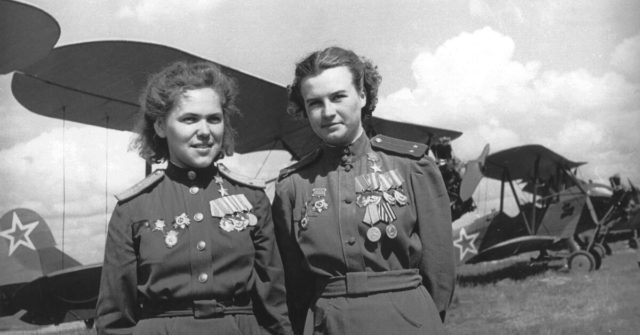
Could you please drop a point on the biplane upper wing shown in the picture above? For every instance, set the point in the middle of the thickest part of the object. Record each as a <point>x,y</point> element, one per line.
<point>98,83</point>
<point>521,162</point>
<point>27,34</point>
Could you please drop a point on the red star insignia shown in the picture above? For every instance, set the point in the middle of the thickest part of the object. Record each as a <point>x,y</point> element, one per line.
<point>19,234</point>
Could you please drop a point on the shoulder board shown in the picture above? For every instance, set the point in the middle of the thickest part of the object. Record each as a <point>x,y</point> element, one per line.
<point>140,186</point>
<point>304,161</point>
<point>246,181</point>
<point>398,146</point>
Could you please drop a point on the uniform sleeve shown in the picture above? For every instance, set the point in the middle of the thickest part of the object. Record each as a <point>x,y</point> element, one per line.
<point>299,282</point>
<point>434,225</point>
<point>269,296</point>
<point>117,307</point>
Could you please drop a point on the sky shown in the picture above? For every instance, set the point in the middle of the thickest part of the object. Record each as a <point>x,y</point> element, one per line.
<point>564,74</point>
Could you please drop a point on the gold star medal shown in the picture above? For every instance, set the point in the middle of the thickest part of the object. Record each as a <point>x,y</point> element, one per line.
<point>223,191</point>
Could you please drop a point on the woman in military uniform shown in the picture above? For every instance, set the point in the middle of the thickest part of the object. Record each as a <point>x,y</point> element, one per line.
<point>363,224</point>
<point>191,249</point>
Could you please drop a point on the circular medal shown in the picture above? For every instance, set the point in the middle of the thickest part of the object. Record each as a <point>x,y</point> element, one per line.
<point>373,234</point>
<point>253,220</point>
<point>391,231</point>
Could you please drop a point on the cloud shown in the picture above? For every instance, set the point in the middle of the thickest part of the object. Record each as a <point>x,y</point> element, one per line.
<point>626,58</point>
<point>150,11</point>
<point>472,83</point>
<point>70,179</point>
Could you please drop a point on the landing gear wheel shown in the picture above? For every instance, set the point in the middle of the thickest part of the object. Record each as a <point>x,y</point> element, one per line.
<point>600,250</point>
<point>596,258</point>
<point>581,262</point>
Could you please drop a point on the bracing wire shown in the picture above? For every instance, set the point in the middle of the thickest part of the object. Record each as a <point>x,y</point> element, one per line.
<point>106,173</point>
<point>265,159</point>
<point>64,182</point>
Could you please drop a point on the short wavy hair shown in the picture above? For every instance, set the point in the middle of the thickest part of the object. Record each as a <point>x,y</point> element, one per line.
<point>163,93</point>
<point>365,77</point>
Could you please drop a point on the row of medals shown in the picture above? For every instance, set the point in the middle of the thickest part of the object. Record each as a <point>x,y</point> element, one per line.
<point>392,196</point>
<point>234,212</point>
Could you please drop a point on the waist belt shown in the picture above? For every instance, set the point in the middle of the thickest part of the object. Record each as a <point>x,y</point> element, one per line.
<point>363,283</point>
<point>199,309</point>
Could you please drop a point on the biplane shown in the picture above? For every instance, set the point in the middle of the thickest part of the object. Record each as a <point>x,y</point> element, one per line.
<point>97,83</point>
<point>559,211</point>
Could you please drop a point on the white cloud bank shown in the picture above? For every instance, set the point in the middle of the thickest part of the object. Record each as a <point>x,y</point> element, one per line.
<point>150,11</point>
<point>472,83</point>
<point>626,58</point>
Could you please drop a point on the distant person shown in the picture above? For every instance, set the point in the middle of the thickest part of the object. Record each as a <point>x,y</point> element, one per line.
<point>190,250</point>
<point>363,224</point>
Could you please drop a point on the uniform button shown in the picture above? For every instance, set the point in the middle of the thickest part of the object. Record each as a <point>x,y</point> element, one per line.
<point>411,150</point>
<point>348,201</point>
<point>201,245</point>
<point>194,189</point>
<point>378,139</point>
<point>191,175</point>
<point>352,240</point>
<point>198,217</point>
<point>203,277</point>
<point>415,146</point>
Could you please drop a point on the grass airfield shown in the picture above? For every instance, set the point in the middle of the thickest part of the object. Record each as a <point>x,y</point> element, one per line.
<point>515,297</point>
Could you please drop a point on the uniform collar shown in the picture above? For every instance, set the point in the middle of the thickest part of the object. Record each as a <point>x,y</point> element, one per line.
<point>188,175</point>
<point>358,148</point>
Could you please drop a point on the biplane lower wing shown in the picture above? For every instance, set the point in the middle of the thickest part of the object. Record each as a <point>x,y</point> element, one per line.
<point>62,296</point>
<point>514,247</point>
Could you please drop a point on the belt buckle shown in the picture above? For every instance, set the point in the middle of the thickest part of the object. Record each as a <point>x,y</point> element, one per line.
<point>356,283</point>
<point>203,309</point>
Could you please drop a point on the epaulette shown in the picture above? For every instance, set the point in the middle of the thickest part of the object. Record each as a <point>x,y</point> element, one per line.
<point>304,161</point>
<point>399,147</point>
<point>240,179</point>
<point>140,186</point>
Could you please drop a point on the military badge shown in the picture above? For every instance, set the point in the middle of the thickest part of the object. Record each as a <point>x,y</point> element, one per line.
<point>181,221</point>
<point>158,225</point>
<point>319,202</point>
<point>171,238</point>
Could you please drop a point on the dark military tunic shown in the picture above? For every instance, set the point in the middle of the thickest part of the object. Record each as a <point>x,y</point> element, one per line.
<point>351,283</point>
<point>174,265</point>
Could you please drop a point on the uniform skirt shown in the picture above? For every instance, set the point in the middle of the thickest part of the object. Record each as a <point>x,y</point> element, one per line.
<point>235,324</point>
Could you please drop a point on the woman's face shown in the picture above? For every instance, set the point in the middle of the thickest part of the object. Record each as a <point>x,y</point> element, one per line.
<point>194,129</point>
<point>333,105</point>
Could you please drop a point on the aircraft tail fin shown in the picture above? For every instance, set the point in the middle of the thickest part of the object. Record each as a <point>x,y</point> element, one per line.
<point>27,248</point>
<point>473,174</point>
